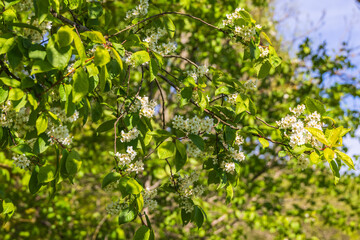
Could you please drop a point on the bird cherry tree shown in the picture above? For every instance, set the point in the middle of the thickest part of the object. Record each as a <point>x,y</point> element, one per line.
<point>67,64</point>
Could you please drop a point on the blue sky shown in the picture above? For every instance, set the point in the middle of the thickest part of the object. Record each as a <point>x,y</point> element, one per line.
<point>333,21</point>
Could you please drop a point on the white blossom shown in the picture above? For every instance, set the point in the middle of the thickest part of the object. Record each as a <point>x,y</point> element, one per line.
<point>193,125</point>
<point>115,207</point>
<point>139,11</point>
<point>131,135</point>
<point>21,161</point>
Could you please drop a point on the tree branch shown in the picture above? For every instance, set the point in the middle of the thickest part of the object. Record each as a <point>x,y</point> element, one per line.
<point>167,13</point>
<point>69,22</point>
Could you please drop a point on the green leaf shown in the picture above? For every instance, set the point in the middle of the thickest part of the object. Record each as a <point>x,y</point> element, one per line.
<point>102,56</point>
<point>140,57</point>
<point>180,156</point>
<point>314,105</point>
<point>57,57</point>
<point>335,169</point>
<point>266,37</point>
<point>21,149</point>
<point>264,69</point>
<point>140,202</point>
<point>7,42</point>
<point>282,154</point>
<point>41,124</point>
<point>229,193</point>
<point>245,15</point>
<point>133,187</point>
<point>334,135</point>
<point>40,66</point>
<point>143,233</point>
<point>127,215</point>
<point>329,154</point>
<point>252,107</point>
<point>80,85</point>
<point>110,178</point>
<point>95,10</point>
<point>264,142</point>
<point>34,185</point>
<point>166,150</point>
<point>198,217</point>
<point>94,36</point>
<point>11,82</point>
<point>346,159</point>
<point>3,94</point>
<point>314,158</point>
<point>42,9</point>
<point>224,90</point>
<point>169,26</point>
<point>46,174</point>
<point>319,135</point>
<point>40,145</point>
<point>7,206</point>
<point>73,163</point>
<point>65,36</point>
<point>106,126</point>
<point>153,68</point>
<point>187,92</point>
<point>16,94</point>
<point>185,217</point>
<point>198,141</point>
<point>118,58</point>
<point>79,47</point>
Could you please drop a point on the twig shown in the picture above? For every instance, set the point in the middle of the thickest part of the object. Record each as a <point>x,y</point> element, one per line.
<point>69,22</point>
<point>186,59</point>
<point>98,227</point>
<point>163,103</point>
<point>166,13</point>
<point>7,71</point>
<point>63,77</point>
<point>153,150</point>
<point>263,121</point>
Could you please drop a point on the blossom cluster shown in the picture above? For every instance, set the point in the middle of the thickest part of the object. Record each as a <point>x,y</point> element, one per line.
<point>228,165</point>
<point>146,107</point>
<point>187,190</point>
<point>230,18</point>
<point>193,125</point>
<point>303,161</point>
<point>263,51</point>
<point>16,120</point>
<point>199,72</point>
<point>153,36</point>
<point>232,98</point>
<point>115,207</point>
<point>126,159</point>
<point>193,151</point>
<point>149,201</point>
<point>21,161</point>
<point>298,134</point>
<point>245,32</point>
<point>131,135</point>
<point>130,61</point>
<point>60,133</point>
<point>139,11</point>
